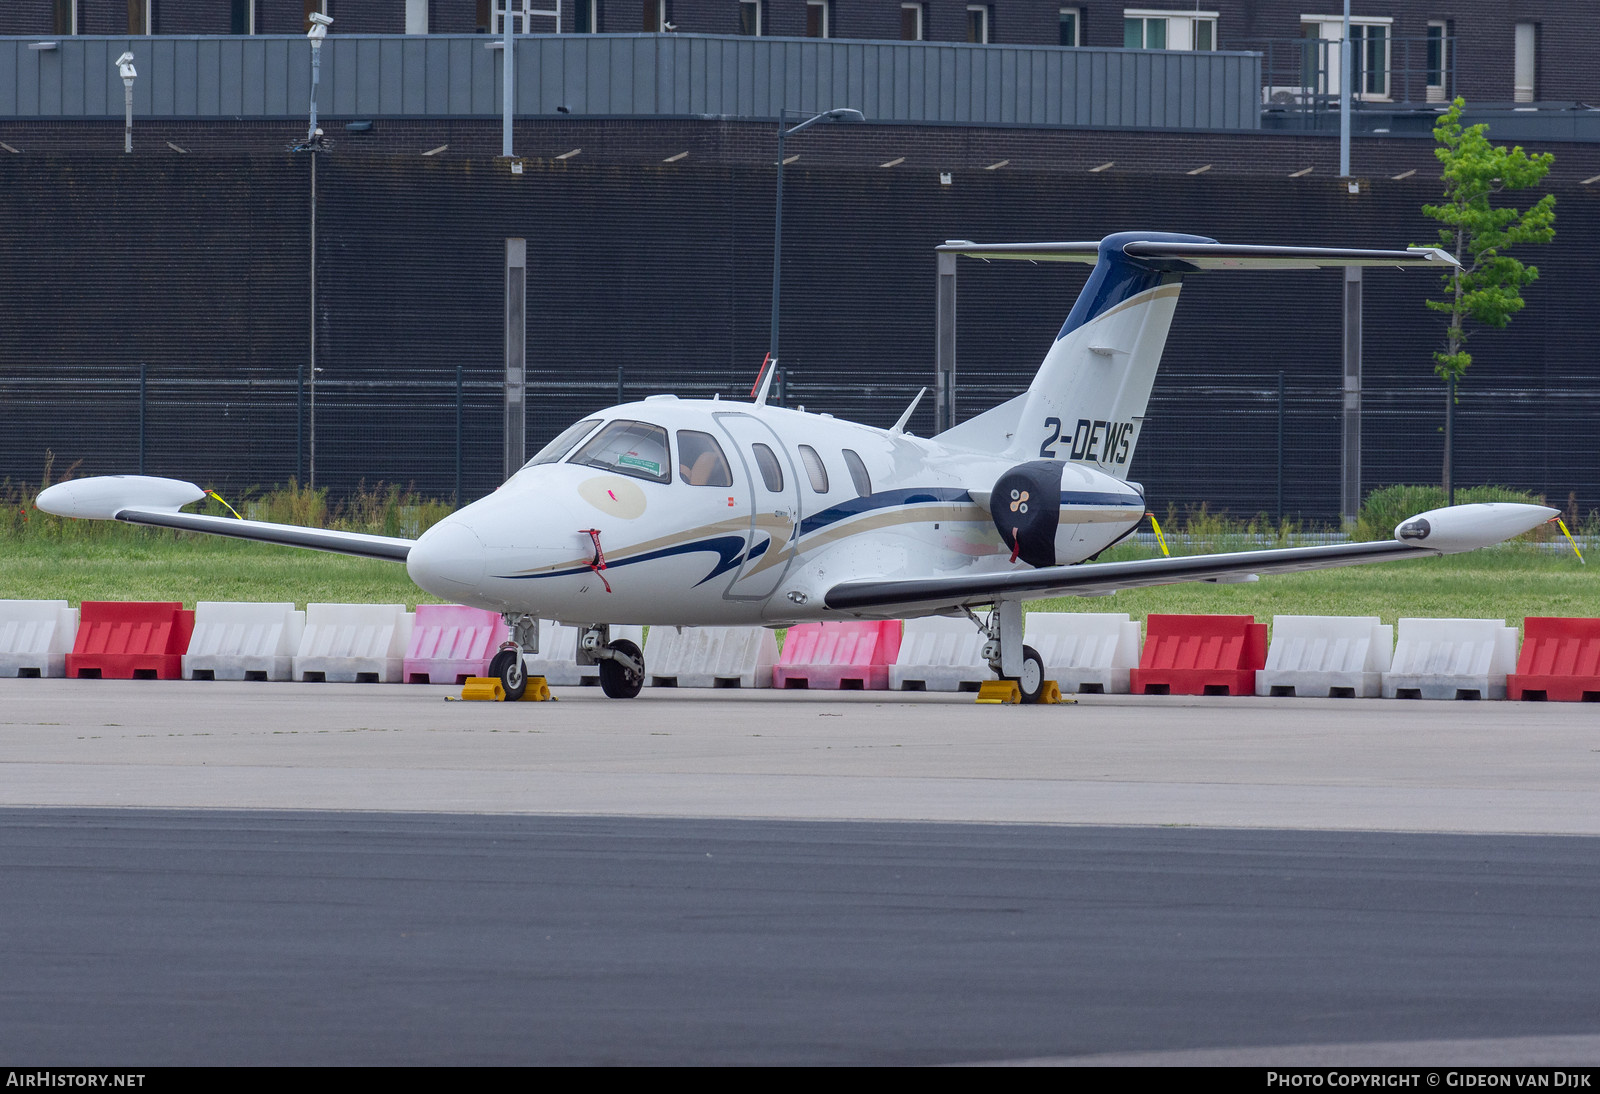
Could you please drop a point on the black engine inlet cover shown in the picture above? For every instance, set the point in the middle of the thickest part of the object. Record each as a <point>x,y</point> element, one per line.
<point>1026,507</point>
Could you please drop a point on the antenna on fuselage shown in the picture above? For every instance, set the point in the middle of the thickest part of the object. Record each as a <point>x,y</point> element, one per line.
<point>769,369</point>
<point>900,426</point>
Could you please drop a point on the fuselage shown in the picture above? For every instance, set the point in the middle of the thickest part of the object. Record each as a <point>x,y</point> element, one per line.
<point>707,512</point>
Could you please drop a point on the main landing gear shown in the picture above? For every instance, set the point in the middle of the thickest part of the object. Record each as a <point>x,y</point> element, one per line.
<point>1007,656</point>
<point>621,663</point>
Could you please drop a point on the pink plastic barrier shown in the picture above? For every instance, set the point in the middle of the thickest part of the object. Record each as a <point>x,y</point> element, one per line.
<point>450,642</point>
<point>838,656</point>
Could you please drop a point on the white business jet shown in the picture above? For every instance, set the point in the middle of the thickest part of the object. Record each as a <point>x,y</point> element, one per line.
<point>677,511</point>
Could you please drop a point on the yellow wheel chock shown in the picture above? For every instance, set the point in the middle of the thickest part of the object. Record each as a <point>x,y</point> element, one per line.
<point>489,689</point>
<point>1007,691</point>
<point>486,689</point>
<point>999,691</point>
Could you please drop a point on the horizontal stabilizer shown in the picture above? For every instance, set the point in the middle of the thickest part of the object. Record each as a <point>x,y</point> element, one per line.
<point>1190,257</point>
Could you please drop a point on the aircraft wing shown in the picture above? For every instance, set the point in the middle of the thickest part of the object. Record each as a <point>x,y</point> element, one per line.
<point>1440,531</point>
<point>142,499</point>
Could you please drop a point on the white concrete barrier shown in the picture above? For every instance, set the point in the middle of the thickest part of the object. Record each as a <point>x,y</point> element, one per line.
<point>234,641</point>
<point>938,653</point>
<point>36,636</point>
<point>1327,655</point>
<point>557,659</point>
<point>1091,652</point>
<point>710,657</point>
<point>1451,659</point>
<point>354,643</point>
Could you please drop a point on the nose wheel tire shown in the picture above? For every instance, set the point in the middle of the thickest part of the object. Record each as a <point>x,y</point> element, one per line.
<point>1031,681</point>
<point>512,673</point>
<point>617,680</point>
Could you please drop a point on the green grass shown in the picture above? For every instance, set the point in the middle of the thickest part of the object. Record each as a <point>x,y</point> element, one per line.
<point>142,564</point>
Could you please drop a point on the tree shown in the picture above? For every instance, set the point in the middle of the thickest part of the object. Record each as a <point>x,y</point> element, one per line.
<point>1487,287</point>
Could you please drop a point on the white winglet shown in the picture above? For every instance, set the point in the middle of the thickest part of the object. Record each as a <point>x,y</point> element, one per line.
<point>103,497</point>
<point>1468,527</point>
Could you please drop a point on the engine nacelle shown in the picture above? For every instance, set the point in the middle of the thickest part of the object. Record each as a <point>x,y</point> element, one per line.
<point>1026,508</point>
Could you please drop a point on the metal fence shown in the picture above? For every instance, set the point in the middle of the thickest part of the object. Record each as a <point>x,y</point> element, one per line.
<point>429,431</point>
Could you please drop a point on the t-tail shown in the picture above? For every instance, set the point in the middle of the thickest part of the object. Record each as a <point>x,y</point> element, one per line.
<point>1087,402</point>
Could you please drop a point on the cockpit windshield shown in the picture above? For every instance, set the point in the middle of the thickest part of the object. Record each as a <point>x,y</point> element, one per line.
<point>629,448</point>
<point>552,452</point>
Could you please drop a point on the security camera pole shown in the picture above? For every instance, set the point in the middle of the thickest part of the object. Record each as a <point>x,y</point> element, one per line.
<point>319,30</point>
<point>125,67</point>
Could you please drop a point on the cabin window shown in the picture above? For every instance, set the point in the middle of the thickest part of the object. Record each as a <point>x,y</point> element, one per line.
<point>771,471</point>
<point>638,449</point>
<point>700,460</point>
<point>858,473</point>
<point>816,470</point>
<point>556,449</point>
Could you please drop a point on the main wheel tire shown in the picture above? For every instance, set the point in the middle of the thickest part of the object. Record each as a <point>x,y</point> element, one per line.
<point>1031,681</point>
<point>512,672</point>
<point>616,679</point>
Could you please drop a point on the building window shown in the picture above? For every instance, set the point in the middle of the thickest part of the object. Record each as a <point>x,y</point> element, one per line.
<point>314,7</point>
<point>978,19</point>
<point>654,17</point>
<point>483,17</point>
<point>586,16</point>
<point>1071,27</point>
<point>243,17</point>
<point>416,16</point>
<point>65,16</point>
<point>1147,29</point>
<point>1525,64</point>
<point>1139,32</point>
<point>911,17</point>
<point>750,18</point>
<point>141,16</point>
<point>1369,44</point>
<point>819,19</point>
<point>1438,89</point>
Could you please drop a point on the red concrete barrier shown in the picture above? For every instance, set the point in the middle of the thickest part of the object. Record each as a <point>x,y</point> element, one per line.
<point>1200,655</point>
<point>127,641</point>
<point>852,656</point>
<point>1560,661</point>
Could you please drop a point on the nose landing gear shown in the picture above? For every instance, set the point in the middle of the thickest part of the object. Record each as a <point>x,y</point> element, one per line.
<point>508,665</point>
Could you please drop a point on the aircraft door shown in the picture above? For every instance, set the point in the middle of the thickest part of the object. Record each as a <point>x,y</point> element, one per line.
<point>771,481</point>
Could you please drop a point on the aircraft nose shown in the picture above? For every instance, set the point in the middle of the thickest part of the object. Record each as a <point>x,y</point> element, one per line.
<point>448,561</point>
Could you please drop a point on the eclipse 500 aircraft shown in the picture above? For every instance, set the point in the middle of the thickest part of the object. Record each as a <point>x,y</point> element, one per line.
<point>687,512</point>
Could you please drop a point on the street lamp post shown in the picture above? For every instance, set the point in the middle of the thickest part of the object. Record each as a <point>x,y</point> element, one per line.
<point>839,114</point>
<point>313,144</point>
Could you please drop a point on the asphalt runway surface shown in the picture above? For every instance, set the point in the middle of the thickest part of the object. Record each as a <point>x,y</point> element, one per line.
<point>270,873</point>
